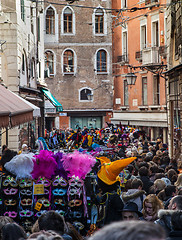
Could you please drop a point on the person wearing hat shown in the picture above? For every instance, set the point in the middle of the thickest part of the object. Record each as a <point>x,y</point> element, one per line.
<point>130,212</point>
<point>109,181</point>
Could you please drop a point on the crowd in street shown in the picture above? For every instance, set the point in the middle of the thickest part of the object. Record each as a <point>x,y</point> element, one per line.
<point>131,189</point>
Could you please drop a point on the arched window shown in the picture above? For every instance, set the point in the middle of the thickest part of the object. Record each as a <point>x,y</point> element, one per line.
<point>99,21</point>
<point>68,20</point>
<point>85,94</point>
<point>50,21</point>
<point>101,61</point>
<point>68,61</point>
<point>49,63</point>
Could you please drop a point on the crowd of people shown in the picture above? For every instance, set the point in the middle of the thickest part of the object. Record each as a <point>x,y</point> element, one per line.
<point>133,190</point>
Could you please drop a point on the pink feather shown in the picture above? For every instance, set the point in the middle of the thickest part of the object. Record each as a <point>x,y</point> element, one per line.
<point>78,164</point>
<point>44,165</point>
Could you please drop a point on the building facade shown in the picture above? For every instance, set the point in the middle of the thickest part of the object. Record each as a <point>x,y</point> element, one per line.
<point>22,62</point>
<point>78,63</point>
<point>139,47</point>
<point>174,79</point>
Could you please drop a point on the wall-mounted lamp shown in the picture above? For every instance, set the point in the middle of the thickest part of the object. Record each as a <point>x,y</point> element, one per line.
<point>131,78</point>
<point>90,96</point>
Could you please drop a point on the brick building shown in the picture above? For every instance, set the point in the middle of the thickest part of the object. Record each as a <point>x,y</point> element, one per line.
<point>22,63</point>
<point>78,62</point>
<point>139,39</point>
<point>174,79</point>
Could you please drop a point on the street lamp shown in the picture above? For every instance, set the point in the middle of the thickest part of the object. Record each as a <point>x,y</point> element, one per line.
<point>90,96</point>
<point>131,78</point>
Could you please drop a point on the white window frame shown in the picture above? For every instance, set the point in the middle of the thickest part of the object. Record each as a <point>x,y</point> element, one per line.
<point>165,28</point>
<point>73,22</point>
<point>79,91</point>
<point>75,62</point>
<point>108,62</point>
<point>124,102</point>
<point>123,32</point>
<point>51,37</point>
<point>155,18</point>
<point>50,50</point>
<point>143,22</point>
<point>123,5</point>
<point>105,22</point>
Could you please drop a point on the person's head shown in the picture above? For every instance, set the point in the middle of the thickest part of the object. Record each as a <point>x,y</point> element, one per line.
<point>13,231</point>
<point>130,168</point>
<point>156,159</point>
<point>130,230</point>
<point>51,220</point>
<point>178,183</point>
<point>3,221</point>
<point>170,191</point>
<point>6,157</point>
<point>4,148</point>
<point>175,203</point>
<point>159,175</point>
<point>130,212</point>
<point>71,231</point>
<point>24,147</point>
<point>137,184</point>
<point>45,235</point>
<point>172,175</point>
<point>143,171</point>
<point>159,185</point>
<point>151,205</point>
<point>139,160</point>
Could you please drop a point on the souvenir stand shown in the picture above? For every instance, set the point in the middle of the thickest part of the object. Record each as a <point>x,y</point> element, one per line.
<point>34,184</point>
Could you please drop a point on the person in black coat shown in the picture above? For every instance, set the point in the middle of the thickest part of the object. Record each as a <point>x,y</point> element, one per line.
<point>144,176</point>
<point>176,223</point>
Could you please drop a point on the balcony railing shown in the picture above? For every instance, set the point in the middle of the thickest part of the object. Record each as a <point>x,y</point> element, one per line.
<point>151,2</point>
<point>123,59</point>
<point>150,56</point>
<point>138,56</point>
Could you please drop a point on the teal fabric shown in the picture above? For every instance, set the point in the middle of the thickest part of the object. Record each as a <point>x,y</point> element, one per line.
<point>54,101</point>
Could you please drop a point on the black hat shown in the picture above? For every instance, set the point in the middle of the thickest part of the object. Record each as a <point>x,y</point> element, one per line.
<point>132,207</point>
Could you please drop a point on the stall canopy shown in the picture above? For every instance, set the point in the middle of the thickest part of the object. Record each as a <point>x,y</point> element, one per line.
<point>13,110</point>
<point>52,99</point>
<point>36,110</point>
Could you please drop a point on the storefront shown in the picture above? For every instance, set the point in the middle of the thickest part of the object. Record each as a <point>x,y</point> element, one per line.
<point>90,122</point>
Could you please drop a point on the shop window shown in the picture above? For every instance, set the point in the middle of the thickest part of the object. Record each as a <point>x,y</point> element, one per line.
<point>101,61</point>
<point>50,21</point>
<point>68,62</point>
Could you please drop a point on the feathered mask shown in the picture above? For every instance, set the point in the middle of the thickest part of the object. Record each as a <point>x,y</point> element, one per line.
<point>44,165</point>
<point>78,164</point>
<point>21,165</point>
<point>60,171</point>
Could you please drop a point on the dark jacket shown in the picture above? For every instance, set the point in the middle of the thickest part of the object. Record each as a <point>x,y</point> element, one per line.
<point>165,220</point>
<point>175,235</point>
<point>146,183</point>
<point>114,207</point>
